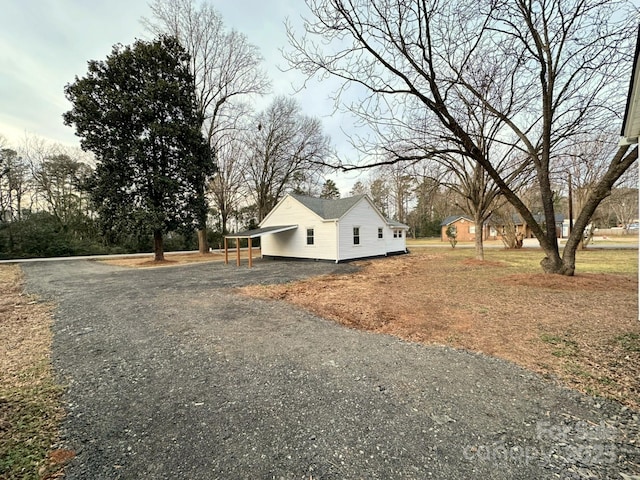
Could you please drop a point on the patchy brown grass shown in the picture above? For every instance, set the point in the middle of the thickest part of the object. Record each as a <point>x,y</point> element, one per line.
<point>30,406</point>
<point>583,330</point>
<point>144,261</point>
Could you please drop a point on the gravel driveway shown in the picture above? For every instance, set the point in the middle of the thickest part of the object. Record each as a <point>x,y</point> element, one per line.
<point>170,374</point>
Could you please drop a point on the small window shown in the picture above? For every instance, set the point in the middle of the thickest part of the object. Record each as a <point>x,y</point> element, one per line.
<point>380,233</point>
<point>310,236</point>
<point>397,233</point>
<point>356,235</point>
<point>472,229</point>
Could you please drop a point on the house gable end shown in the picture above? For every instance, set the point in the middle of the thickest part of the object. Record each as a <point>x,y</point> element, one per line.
<point>371,205</point>
<point>453,219</point>
<point>328,209</point>
<point>277,210</point>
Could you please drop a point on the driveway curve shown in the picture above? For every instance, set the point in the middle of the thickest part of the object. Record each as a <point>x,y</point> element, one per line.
<point>171,374</point>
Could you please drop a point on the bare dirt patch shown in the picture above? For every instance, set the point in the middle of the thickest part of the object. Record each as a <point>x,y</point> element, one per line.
<point>583,330</point>
<point>579,282</point>
<point>144,261</point>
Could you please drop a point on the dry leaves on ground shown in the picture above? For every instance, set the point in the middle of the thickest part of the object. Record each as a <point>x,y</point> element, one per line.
<point>26,334</point>
<point>30,409</point>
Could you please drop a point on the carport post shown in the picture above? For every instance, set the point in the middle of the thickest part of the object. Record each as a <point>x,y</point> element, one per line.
<point>237,252</point>
<point>226,252</point>
<point>250,254</point>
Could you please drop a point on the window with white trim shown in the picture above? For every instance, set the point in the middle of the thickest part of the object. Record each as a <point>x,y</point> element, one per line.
<point>356,235</point>
<point>380,233</point>
<point>310,236</point>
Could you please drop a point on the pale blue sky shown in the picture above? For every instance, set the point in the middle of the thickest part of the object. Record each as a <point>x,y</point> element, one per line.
<point>44,44</point>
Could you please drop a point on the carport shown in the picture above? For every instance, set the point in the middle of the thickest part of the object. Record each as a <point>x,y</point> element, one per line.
<point>249,235</point>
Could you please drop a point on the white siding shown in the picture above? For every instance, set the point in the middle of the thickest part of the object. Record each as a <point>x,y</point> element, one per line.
<point>362,215</point>
<point>293,243</point>
<point>395,244</point>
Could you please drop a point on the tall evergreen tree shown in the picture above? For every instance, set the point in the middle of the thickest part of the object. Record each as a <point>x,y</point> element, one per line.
<point>137,112</point>
<point>330,189</point>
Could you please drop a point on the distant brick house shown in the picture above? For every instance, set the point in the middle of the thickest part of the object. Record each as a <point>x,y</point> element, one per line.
<point>466,229</point>
<point>464,226</point>
<point>495,226</point>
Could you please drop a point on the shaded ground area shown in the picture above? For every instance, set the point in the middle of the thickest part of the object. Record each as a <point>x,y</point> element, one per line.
<point>583,329</point>
<point>170,374</point>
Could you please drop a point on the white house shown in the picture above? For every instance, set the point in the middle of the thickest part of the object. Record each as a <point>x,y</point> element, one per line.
<point>328,229</point>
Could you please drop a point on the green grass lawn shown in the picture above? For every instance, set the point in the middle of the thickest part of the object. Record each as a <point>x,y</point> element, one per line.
<point>591,260</point>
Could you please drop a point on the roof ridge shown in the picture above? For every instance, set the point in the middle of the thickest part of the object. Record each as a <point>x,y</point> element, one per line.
<point>328,208</point>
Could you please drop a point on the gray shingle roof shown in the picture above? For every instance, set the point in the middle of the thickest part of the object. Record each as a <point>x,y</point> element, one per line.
<point>454,218</point>
<point>328,209</point>
<point>395,223</point>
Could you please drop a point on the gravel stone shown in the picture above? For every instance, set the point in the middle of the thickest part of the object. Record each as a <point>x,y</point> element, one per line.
<point>169,373</point>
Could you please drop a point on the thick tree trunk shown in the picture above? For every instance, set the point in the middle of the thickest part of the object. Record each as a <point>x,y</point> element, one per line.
<point>203,244</point>
<point>552,263</point>
<point>158,246</point>
<point>479,241</point>
<point>224,220</point>
<point>622,160</point>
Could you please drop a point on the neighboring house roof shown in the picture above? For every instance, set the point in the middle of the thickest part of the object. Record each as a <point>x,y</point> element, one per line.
<point>453,219</point>
<point>631,122</point>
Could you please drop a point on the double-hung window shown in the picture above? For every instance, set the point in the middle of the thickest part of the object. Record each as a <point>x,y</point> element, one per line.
<point>310,236</point>
<point>356,235</point>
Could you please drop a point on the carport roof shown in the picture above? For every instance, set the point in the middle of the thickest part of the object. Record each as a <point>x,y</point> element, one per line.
<point>258,232</point>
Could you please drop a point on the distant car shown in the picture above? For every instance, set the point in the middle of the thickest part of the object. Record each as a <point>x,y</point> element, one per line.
<point>633,226</point>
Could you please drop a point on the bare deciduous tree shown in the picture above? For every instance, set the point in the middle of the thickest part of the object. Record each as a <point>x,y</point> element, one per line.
<point>623,205</point>
<point>59,180</point>
<point>226,185</point>
<point>284,143</point>
<point>479,195</point>
<point>555,70</point>
<point>401,183</point>
<point>226,69</point>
